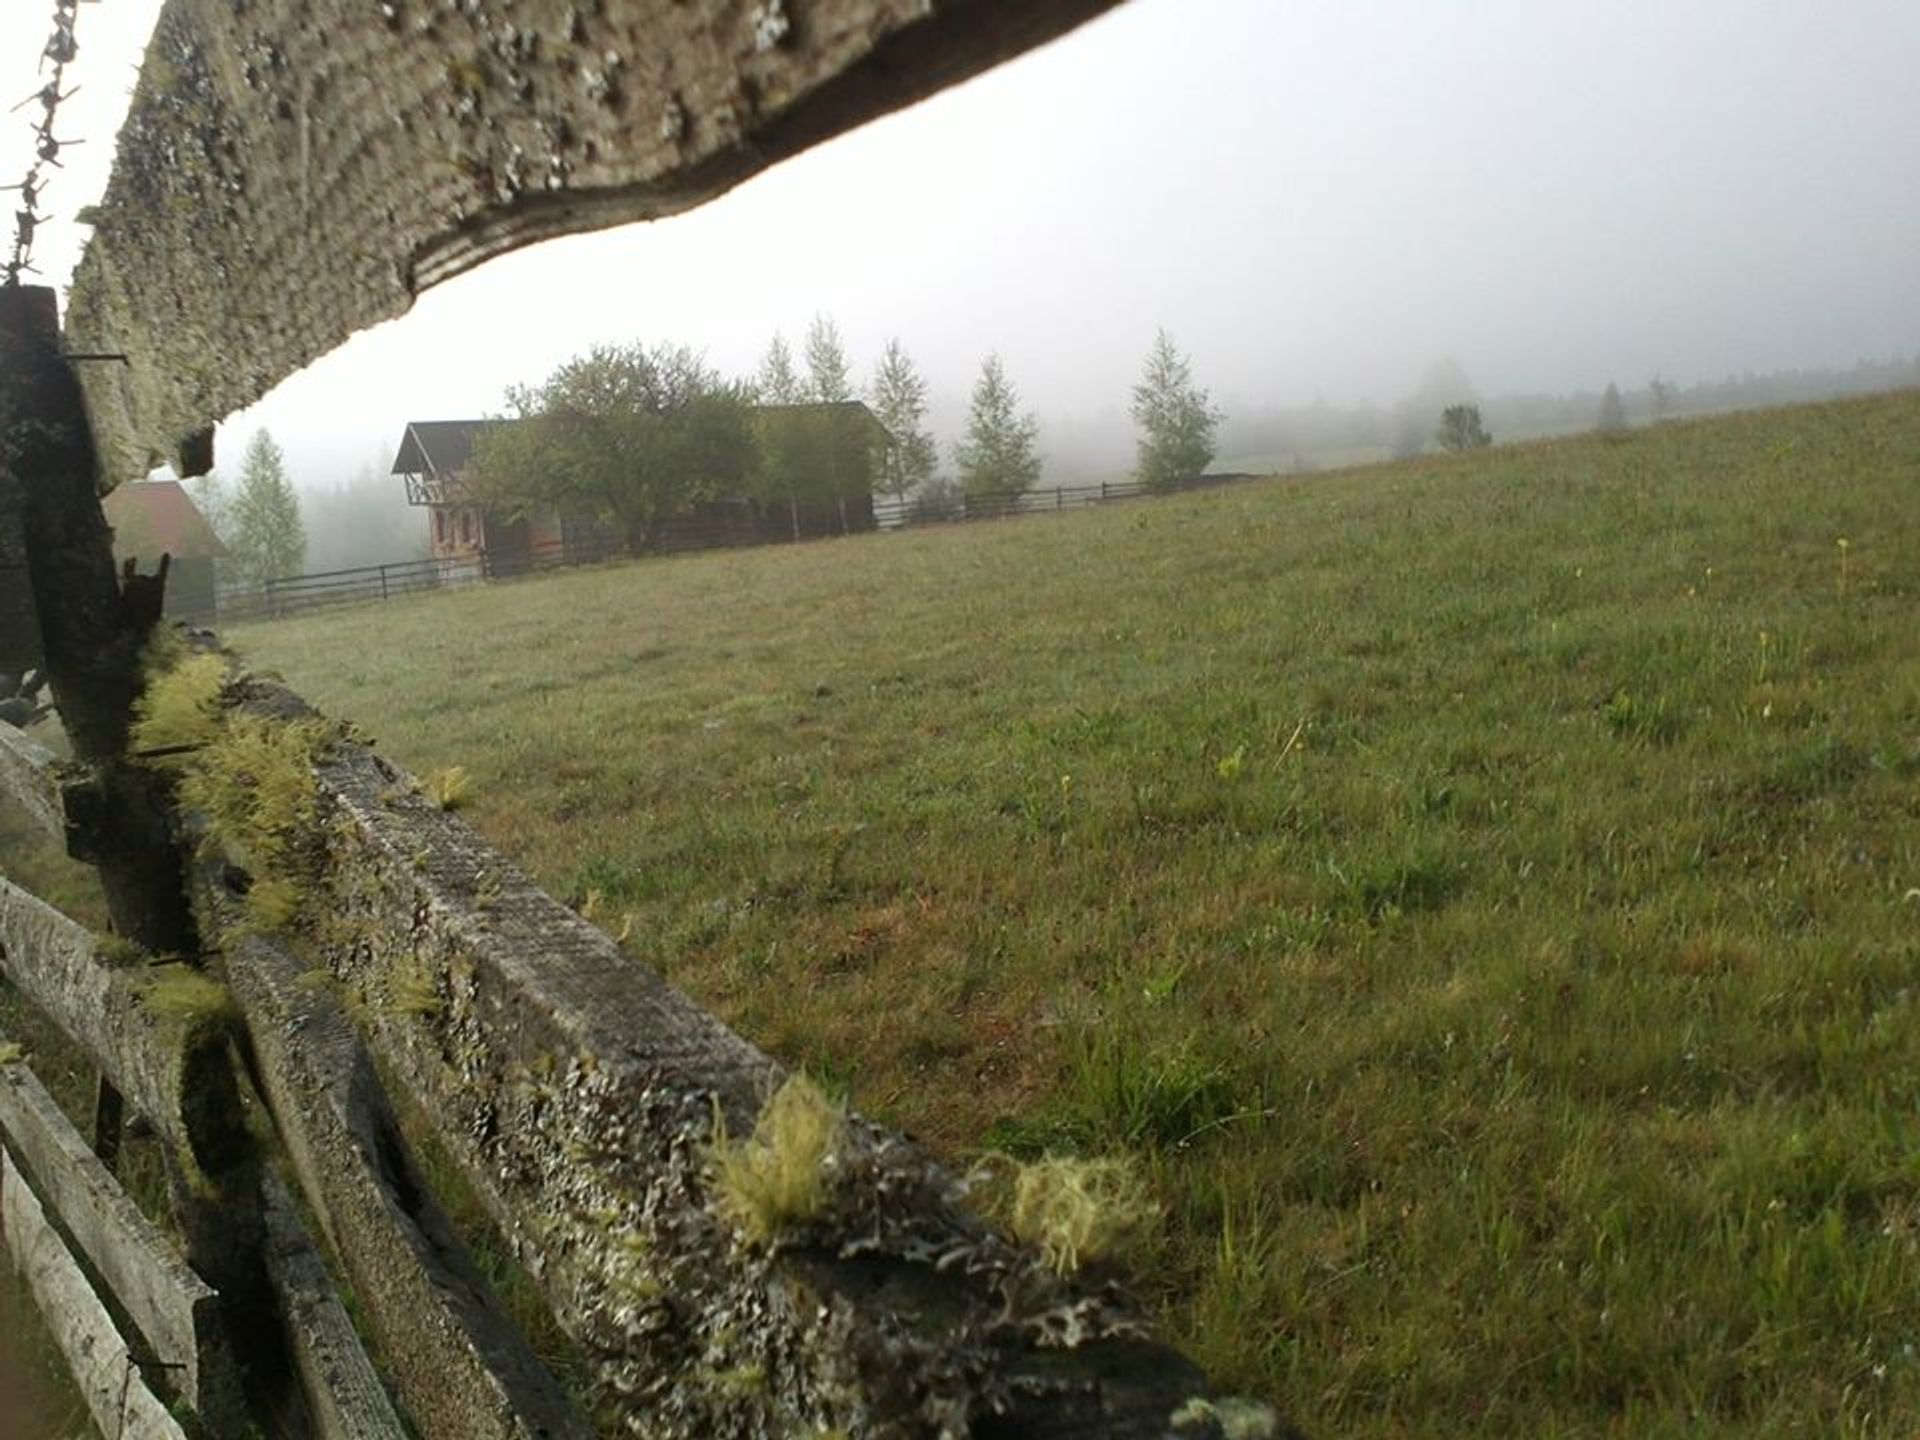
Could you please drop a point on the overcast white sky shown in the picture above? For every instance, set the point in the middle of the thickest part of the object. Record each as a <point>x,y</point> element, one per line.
<point>1317,197</point>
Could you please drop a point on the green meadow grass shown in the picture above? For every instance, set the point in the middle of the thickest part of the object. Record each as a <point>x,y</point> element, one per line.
<point>1484,892</point>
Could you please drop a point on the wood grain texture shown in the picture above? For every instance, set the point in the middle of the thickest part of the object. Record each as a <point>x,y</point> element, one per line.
<point>170,1306</point>
<point>461,1369</point>
<point>343,1394</point>
<point>97,1356</point>
<point>292,171</point>
<point>30,778</point>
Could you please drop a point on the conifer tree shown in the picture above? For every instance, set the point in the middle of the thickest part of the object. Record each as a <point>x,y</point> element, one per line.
<point>267,537</point>
<point>1613,412</point>
<point>1175,418</point>
<point>999,457</point>
<point>900,402</point>
<point>777,383</point>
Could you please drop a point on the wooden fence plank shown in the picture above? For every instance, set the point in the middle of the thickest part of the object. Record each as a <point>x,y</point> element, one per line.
<point>29,778</point>
<point>461,1368</point>
<point>172,1308</point>
<point>345,1399</point>
<point>100,1361</point>
<point>102,1006</point>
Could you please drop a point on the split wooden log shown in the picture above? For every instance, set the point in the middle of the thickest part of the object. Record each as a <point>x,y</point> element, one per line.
<point>104,1367</point>
<point>344,1399</point>
<point>30,777</point>
<point>172,1309</point>
<point>174,1069</point>
<point>461,1368</point>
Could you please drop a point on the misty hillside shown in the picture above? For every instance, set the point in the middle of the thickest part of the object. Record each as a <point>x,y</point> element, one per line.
<point>1479,891</point>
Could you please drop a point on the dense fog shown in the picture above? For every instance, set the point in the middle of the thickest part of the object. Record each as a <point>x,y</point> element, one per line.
<point>1338,212</point>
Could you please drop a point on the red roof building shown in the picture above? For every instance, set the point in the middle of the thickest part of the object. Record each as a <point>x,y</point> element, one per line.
<point>151,518</point>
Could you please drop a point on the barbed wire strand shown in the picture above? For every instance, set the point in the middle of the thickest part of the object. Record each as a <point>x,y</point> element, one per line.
<point>59,52</point>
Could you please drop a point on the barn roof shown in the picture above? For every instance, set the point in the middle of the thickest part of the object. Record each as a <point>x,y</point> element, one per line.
<point>441,447</point>
<point>152,517</point>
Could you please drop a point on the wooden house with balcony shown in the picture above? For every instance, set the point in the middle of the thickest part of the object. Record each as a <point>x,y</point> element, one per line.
<point>434,454</point>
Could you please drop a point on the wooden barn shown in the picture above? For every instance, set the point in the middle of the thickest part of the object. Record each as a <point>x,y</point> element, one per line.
<point>151,518</point>
<point>433,455</point>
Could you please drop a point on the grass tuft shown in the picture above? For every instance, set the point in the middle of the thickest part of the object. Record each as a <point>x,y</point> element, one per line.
<point>186,996</point>
<point>448,786</point>
<point>256,786</point>
<point>777,1178</point>
<point>1073,1210</point>
<point>180,710</point>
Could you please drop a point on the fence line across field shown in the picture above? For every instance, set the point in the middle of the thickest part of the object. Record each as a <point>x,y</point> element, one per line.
<point>292,594</point>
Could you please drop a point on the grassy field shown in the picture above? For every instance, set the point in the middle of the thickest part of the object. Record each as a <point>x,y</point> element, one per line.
<point>1484,892</point>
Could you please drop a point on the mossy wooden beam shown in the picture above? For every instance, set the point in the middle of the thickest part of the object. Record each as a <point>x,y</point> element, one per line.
<point>292,171</point>
<point>30,778</point>
<point>341,1393</point>
<point>581,1096</point>
<point>460,1367</point>
<point>19,619</point>
<point>103,1365</point>
<point>170,1306</point>
<point>94,623</point>
<point>101,1001</point>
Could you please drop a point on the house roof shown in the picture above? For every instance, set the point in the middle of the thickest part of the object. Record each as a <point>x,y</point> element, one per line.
<point>441,447</point>
<point>438,447</point>
<point>155,517</point>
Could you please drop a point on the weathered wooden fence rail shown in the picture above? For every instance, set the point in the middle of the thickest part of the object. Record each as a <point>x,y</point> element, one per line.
<point>290,171</point>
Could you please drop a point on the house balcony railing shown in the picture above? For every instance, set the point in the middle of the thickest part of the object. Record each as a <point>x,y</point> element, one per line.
<point>434,489</point>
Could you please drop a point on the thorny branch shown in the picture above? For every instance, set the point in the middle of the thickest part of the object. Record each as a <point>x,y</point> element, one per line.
<point>59,52</point>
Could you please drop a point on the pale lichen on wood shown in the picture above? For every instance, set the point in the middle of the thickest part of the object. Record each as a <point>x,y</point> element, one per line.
<point>579,1094</point>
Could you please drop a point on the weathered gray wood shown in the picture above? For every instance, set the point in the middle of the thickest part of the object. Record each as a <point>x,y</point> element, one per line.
<point>292,171</point>
<point>101,1006</point>
<point>579,1094</point>
<point>30,778</point>
<point>102,1365</point>
<point>170,1306</point>
<point>461,1368</point>
<point>344,1397</point>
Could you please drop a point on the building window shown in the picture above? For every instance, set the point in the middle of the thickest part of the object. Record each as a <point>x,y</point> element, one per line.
<point>466,527</point>
<point>439,527</point>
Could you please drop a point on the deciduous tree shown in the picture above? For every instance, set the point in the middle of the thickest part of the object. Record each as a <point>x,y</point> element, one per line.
<point>630,434</point>
<point>828,376</point>
<point>1000,456</point>
<point>1175,417</point>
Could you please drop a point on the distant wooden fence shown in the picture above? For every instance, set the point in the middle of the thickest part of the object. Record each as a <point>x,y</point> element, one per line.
<point>364,584</point>
<point>412,1020</point>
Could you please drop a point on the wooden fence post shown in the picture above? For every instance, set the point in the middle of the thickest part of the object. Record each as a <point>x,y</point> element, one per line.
<point>94,628</point>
